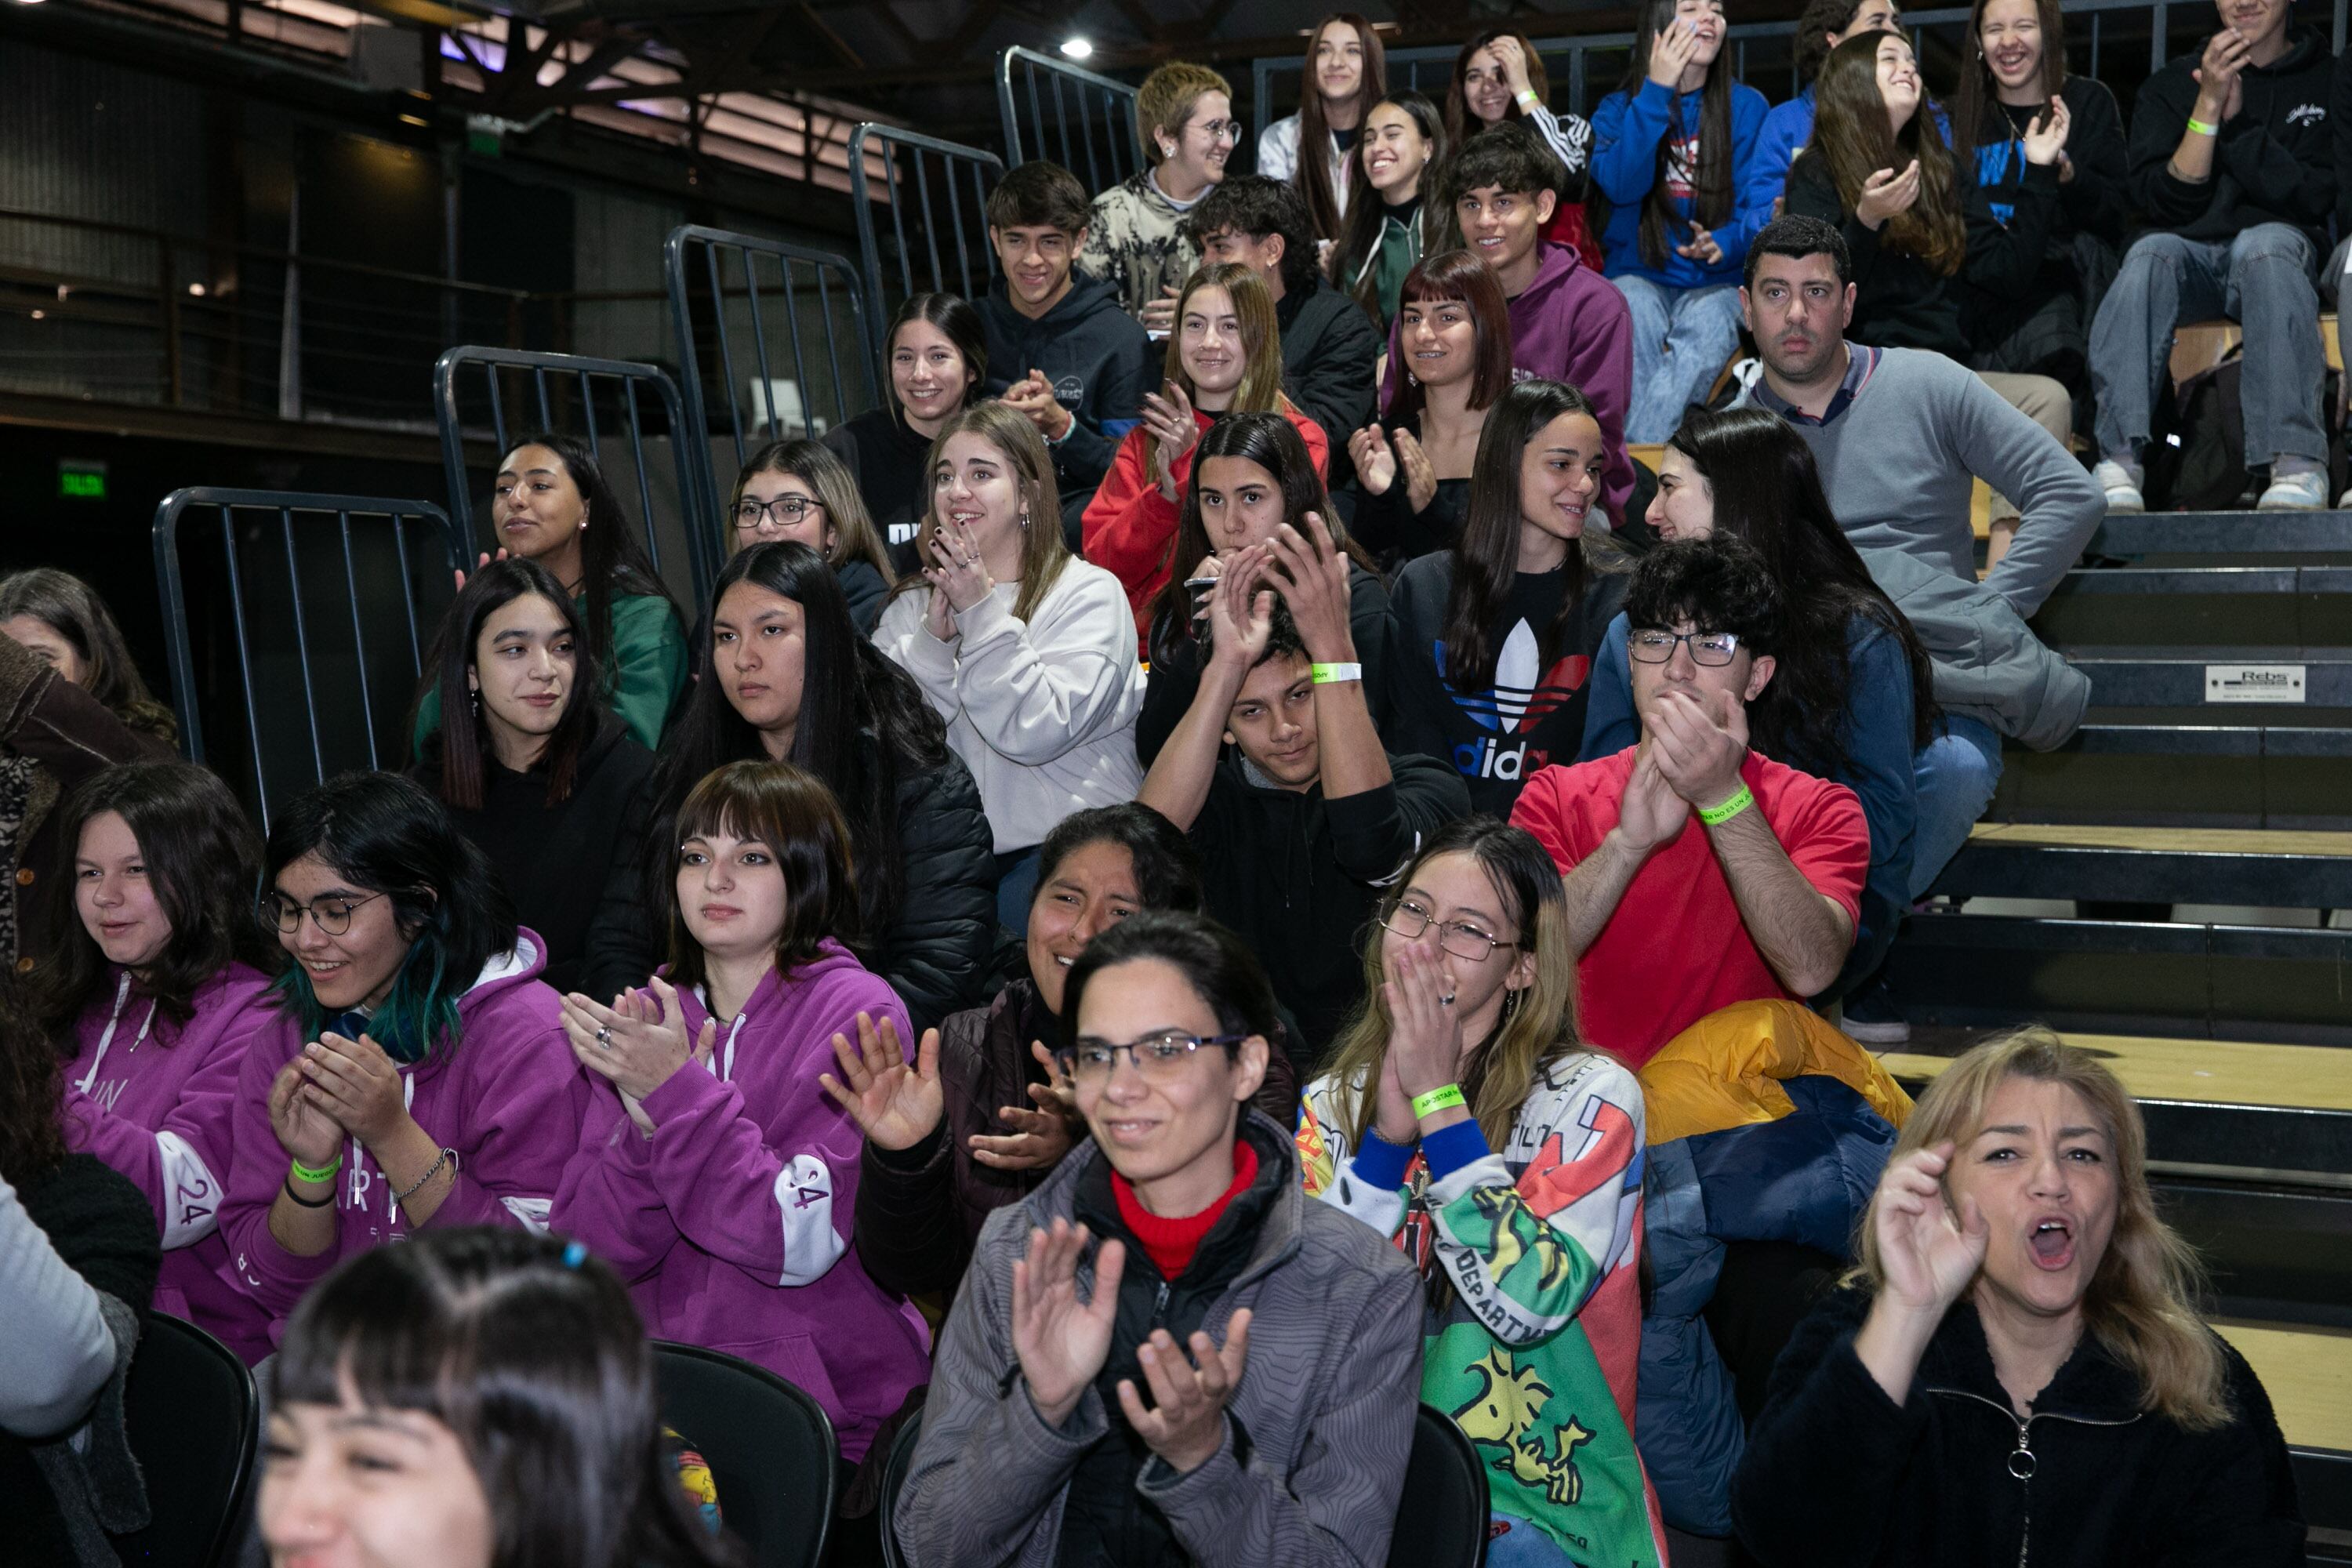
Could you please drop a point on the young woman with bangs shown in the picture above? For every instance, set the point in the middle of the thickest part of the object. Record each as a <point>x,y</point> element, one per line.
<point>160,983</point>
<point>791,679</point>
<point>2018,1364</point>
<point>713,1174</point>
<point>551,504</point>
<point>1494,638</point>
<point>1026,652</point>
<point>1453,349</point>
<point>544,780</point>
<point>494,1394</point>
<point>1391,223</point>
<point>1253,474</point>
<point>1463,1118</point>
<point>1224,357</point>
<point>415,1072</point>
<point>1347,73</point>
<point>800,489</point>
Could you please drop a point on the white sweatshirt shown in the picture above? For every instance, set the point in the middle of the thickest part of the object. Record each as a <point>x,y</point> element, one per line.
<point>57,1352</point>
<point>1043,712</point>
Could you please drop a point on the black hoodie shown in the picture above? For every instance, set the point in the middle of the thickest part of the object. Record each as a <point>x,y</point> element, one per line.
<point>2273,162</point>
<point>1331,351</point>
<point>1100,362</point>
<point>553,859</point>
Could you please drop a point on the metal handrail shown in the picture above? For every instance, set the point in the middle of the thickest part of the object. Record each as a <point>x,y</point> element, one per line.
<point>179,648</point>
<point>984,168</point>
<point>1117,106</point>
<point>823,263</point>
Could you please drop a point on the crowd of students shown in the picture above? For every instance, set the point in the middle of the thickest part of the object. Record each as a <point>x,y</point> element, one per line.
<point>1181,897</point>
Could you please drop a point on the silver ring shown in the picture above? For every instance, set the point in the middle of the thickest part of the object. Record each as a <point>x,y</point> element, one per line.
<point>604,1035</point>
<point>1447,1000</point>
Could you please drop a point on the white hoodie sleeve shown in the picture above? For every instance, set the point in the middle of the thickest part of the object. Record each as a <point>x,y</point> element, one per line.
<point>1037,689</point>
<point>57,1352</point>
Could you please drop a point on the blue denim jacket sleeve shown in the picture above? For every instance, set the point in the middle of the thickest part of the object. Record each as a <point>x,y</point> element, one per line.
<point>1609,724</point>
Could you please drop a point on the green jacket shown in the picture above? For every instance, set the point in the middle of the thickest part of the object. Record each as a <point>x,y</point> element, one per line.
<point>643,675</point>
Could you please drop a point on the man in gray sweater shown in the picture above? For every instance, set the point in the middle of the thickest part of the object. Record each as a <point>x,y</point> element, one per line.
<point>1902,433</point>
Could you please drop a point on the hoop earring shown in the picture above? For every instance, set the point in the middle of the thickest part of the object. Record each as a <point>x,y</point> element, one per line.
<point>1025,517</point>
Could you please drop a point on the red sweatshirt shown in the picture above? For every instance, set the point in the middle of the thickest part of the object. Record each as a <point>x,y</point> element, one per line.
<point>1130,526</point>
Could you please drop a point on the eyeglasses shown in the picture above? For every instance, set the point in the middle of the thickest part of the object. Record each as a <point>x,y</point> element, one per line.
<point>1712,649</point>
<point>1460,938</point>
<point>1218,131</point>
<point>332,916</point>
<point>1158,1057</point>
<point>783,512</point>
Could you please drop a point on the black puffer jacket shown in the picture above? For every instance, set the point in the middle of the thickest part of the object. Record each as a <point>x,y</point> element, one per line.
<point>1329,352</point>
<point>1837,1474</point>
<point>932,951</point>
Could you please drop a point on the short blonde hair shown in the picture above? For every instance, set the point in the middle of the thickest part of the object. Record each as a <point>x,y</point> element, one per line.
<point>2142,1299</point>
<point>1165,102</point>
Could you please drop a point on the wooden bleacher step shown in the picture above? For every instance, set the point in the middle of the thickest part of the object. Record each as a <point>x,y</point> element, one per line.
<point>2157,865</point>
<point>2308,1374</point>
<point>2133,534</point>
<point>2260,606</point>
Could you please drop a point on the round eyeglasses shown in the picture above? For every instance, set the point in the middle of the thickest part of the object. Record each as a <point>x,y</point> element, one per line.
<point>1712,649</point>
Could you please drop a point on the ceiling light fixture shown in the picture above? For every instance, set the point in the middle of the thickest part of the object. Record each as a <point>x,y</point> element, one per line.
<point>1077,49</point>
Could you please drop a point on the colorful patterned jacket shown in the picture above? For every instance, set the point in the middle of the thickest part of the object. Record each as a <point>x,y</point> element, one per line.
<point>1533,1351</point>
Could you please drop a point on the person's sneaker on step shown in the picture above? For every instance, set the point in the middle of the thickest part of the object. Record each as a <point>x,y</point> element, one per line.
<point>2297,484</point>
<point>2120,481</point>
<point>1871,1017</point>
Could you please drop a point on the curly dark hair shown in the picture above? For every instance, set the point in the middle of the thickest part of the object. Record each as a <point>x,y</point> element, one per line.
<point>1718,584</point>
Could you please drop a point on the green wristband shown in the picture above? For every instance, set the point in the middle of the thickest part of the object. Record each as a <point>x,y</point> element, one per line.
<point>304,1172</point>
<point>2198,127</point>
<point>1437,1100</point>
<point>1332,674</point>
<point>1716,815</point>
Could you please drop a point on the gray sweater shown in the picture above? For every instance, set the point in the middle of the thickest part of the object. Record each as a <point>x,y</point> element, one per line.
<point>1327,1400</point>
<point>1899,462</point>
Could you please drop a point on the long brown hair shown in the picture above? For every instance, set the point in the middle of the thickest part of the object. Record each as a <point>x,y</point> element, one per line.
<point>791,811</point>
<point>1979,97</point>
<point>1711,193</point>
<point>1261,389</point>
<point>1853,135</point>
<point>855,537</point>
<point>71,608</point>
<point>32,1091</point>
<point>1486,552</point>
<point>1539,1024</point>
<point>1452,275</point>
<point>2142,1300</point>
<point>1044,553</point>
<point>1458,118</point>
<point>1313,174</point>
<point>1353,258</point>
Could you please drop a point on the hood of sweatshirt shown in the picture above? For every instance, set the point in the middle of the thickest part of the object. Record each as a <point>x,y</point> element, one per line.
<point>791,1011</point>
<point>1555,266</point>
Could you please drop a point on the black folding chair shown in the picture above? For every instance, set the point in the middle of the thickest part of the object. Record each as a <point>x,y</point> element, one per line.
<point>770,1447</point>
<point>193,1421</point>
<point>1443,1521</point>
<point>894,1479</point>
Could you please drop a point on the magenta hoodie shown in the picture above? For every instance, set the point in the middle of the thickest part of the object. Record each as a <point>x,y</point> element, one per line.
<point>733,1220</point>
<point>1571,324</point>
<point>506,1095</point>
<point>158,1103</point>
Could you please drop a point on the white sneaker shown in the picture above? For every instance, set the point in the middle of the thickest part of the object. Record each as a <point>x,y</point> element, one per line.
<point>2121,485</point>
<point>2296,492</point>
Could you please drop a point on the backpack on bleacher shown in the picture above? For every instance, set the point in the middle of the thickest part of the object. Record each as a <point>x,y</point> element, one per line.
<point>2196,459</point>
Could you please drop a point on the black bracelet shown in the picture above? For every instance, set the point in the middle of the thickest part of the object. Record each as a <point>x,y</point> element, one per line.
<point>307,1203</point>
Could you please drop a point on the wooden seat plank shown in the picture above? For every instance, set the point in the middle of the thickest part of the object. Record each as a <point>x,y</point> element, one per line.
<point>2181,840</point>
<point>2213,1072</point>
<point>2307,1371</point>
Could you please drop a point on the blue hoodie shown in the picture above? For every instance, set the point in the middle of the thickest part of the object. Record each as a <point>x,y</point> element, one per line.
<point>1625,137</point>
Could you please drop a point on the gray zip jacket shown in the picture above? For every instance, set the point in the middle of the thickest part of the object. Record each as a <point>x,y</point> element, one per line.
<point>1989,664</point>
<point>1326,1401</point>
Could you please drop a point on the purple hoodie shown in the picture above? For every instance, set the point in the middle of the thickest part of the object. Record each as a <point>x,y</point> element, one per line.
<point>158,1103</point>
<point>1569,324</point>
<point>733,1220</point>
<point>506,1095</point>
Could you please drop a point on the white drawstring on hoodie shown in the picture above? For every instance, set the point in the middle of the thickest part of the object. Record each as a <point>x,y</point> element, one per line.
<point>189,1197</point>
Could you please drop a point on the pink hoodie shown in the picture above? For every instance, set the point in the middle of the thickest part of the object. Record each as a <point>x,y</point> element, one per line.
<point>506,1095</point>
<point>733,1220</point>
<point>1571,324</point>
<point>158,1103</point>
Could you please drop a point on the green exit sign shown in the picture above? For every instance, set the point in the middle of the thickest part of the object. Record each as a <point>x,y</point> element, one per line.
<point>81,480</point>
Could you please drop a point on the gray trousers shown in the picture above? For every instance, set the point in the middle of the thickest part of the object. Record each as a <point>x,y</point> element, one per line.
<point>2262,279</point>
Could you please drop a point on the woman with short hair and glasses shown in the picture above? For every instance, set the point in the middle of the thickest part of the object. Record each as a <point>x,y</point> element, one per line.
<point>417,1072</point>
<point>800,489</point>
<point>1165,1353</point>
<point>1462,1117</point>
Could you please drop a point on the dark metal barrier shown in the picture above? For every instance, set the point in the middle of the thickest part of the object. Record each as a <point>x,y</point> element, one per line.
<point>628,413</point>
<point>937,192</point>
<point>716,299</point>
<point>297,603</point>
<point>1081,120</point>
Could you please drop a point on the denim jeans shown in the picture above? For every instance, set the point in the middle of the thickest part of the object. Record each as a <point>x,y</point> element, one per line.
<point>1955,774</point>
<point>1525,1546</point>
<point>2262,279</point>
<point>1681,339</point>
